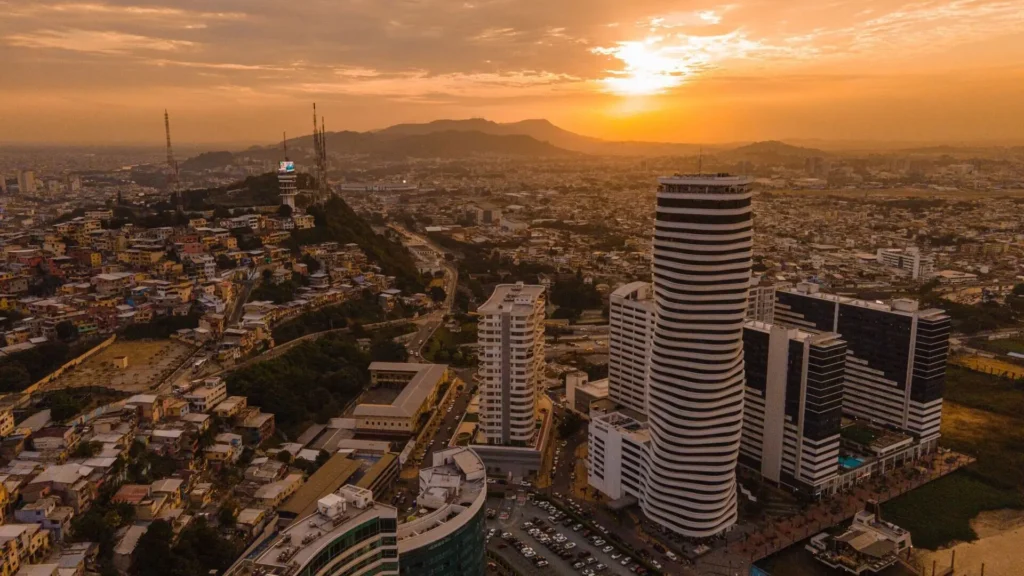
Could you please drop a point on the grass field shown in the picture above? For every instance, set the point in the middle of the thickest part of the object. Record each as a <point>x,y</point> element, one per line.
<point>1000,346</point>
<point>993,366</point>
<point>940,512</point>
<point>982,391</point>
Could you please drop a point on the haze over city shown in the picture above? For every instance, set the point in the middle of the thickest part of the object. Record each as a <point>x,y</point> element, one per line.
<point>692,71</point>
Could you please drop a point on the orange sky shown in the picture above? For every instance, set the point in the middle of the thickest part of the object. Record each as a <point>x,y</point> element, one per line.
<point>671,70</point>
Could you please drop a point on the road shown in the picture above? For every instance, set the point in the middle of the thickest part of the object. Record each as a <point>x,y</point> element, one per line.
<point>451,283</point>
<point>243,295</point>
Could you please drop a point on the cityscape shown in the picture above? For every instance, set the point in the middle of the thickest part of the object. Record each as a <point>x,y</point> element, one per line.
<point>541,320</point>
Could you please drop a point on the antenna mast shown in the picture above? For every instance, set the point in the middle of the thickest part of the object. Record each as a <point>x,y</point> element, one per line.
<point>172,165</point>
<point>284,144</point>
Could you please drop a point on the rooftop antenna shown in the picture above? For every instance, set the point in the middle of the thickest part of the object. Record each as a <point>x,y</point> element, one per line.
<point>700,161</point>
<point>284,144</point>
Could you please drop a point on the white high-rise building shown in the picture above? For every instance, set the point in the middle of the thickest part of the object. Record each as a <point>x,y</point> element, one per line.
<point>761,302</point>
<point>630,326</point>
<point>702,258</point>
<point>910,260</point>
<point>511,357</point>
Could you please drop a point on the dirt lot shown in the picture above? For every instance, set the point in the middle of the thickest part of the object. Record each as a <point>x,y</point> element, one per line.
<point>149,362</point>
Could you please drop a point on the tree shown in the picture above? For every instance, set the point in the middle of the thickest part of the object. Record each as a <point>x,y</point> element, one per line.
<point>570,424</point>
<point>225,263</point>
<point>66,331</point>
<point>1018,289</point>
<point>226,514</point>
<point>14,377</point>
<point>437,294</point>
<point>284,456</point>
<point>87,449</point>
<point>153,556</point>
<point>388,351</point>
<point>312,264</point>
<point>284,211</point>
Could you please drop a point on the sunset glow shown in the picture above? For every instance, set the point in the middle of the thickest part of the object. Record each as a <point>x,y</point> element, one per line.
<point>740,70</point>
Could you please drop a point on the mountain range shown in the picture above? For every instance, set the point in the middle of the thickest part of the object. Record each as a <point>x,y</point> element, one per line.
<point>478,136</point>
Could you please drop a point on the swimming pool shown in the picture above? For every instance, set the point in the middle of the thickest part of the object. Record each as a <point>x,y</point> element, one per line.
<point>849,462</point>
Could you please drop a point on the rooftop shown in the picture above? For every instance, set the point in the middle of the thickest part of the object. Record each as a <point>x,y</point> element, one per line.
<point>408,402</point>
<point>509,297</point>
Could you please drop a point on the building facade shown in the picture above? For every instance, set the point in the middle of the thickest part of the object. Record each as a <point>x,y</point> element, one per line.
<point>793,411</point>
<point>511,357</point>
<point>702,260</point>
<point>895,359</point>
<point>630,326</point>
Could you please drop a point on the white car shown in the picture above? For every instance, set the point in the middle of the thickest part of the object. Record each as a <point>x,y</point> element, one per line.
<point>607,549</point>
<point>671,556</point>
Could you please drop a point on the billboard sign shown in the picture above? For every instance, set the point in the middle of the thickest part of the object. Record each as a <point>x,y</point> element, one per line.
<point>286,166</point>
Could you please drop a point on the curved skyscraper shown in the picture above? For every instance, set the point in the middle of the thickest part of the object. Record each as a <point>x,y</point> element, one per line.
<point>702,260</point>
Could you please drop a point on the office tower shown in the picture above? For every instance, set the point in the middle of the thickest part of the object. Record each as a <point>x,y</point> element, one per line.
<point>895,359</point>
<point>702,261</point>
<point>630,327</point>
<point>74,183</point>
<point>511,357</point>
<point>761,303</point>
<point>793,410</point>
<point>910,260</point>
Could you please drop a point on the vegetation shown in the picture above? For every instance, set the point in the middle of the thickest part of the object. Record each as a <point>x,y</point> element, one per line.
<point>21,369</point>
<point>1001,346</point>
<point>940,512</point>
<point>332,371</point>
<point>337,222</point>
<point>984,391</point>
<point>160,327</point>
<point>971,319</point>
<point>276,293</point>
<point>573,296</point>
<point>570,424</point>
<point>200,549</point>
<point>444,346</point>
<point>364,310</point>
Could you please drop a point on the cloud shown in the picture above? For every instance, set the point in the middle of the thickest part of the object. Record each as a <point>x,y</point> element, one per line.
<point>94,41</point>
<point>420,83</point>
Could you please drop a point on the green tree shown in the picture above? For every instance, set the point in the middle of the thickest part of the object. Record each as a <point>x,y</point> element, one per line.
<point>87,449</point>
<point>437,294</point>
<point>284,211</point>
<point>388,351</point>
<point>66,331</point>
<point>227,513</point>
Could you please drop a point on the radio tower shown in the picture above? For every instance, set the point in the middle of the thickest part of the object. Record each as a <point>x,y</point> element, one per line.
<point>172,165</point>
<point>320,162</point>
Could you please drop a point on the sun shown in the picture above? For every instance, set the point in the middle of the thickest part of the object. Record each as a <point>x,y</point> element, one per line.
<point>650,67</point>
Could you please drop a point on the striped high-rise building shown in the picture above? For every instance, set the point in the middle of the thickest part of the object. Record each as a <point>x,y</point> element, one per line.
<point>702,261</point>
<point>895,358</point>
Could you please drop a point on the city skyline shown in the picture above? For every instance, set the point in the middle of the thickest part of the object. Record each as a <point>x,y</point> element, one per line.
<point>100,72</point>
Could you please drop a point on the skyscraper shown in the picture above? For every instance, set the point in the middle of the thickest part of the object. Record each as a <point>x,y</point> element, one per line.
<point>702,261</point>
<point>793,410</point>
<point>895,359</point>
<point>511,357</point>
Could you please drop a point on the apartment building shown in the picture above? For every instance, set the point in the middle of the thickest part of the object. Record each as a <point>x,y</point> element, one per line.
<point>630,326</point>
<point>511,355</point>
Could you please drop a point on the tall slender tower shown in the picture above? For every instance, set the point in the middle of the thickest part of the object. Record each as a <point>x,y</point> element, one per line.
<point>702,261</point>
<point>286,177</point>
<point>173,181</point>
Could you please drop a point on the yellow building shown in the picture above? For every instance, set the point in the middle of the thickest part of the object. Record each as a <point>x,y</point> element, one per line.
<point>400,394</point>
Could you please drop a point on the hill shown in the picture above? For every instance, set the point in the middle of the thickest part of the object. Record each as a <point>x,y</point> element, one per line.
<point>544,131</point>
<point>337,222</point>
<point>207,161</point>
<point>771,152</point>
<point>441,144</point>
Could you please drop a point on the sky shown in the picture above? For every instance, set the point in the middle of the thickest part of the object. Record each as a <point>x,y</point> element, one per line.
<point>236,71</point>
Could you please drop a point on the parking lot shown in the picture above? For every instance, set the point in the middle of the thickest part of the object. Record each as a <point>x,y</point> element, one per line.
<point>566,551</point>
